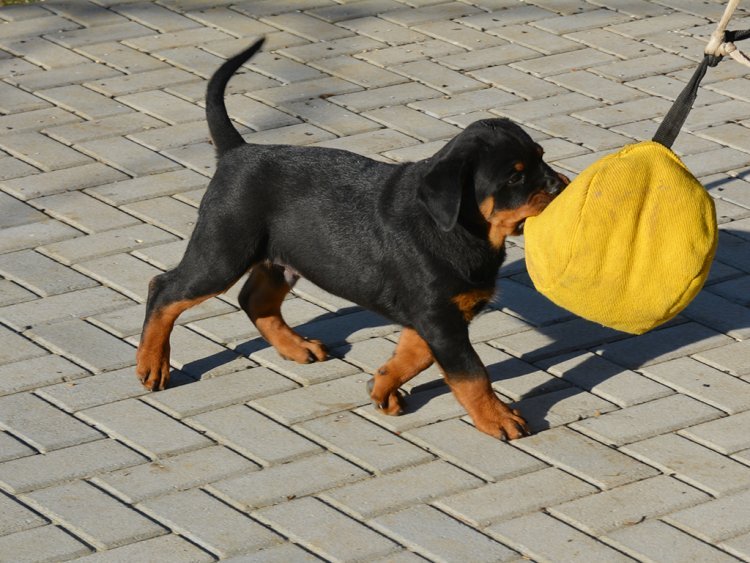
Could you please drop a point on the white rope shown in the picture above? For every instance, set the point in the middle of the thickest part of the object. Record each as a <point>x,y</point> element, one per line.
<point>717,46</point>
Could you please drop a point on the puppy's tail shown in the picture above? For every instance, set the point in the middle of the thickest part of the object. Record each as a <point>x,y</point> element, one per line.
<point>223,132</point>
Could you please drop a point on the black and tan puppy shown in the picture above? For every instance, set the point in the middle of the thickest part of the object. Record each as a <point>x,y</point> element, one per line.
<point>419,243</point>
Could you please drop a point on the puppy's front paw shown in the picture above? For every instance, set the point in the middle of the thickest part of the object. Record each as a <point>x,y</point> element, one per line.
<point>152,370</point>
<point>304,351</point>
<point>392,404</point>
<point>504,425</point>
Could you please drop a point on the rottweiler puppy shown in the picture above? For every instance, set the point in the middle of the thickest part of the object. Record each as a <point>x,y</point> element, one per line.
<point>419,243</point>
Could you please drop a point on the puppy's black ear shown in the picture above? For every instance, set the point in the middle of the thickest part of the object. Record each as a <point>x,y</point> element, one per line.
<point>442,187</point>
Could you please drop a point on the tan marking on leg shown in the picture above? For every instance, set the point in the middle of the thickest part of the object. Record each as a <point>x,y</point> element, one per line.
<point>152,357</point>
<point>490,414</point>
<point>264,309</point>
<point>412,356</point>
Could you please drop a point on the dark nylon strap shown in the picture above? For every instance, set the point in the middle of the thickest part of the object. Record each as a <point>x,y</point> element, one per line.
<point>677,114</point>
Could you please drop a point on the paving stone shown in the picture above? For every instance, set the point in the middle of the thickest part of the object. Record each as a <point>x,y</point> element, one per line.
<point>85,344</point>
<point>692,463</point>
<point>644,499</point>
<point>117,85</point>
<point>209,523</point>
<point>605,379</point>
<point>528,304</point>
<point>726,435</point>
<point>719,314</point>
<point>514,497</point>
<point>662,345</point>
<point>74,462</point>
<point>10,448</point>
<point>253,435</point>
<point>122,272</point>
<point>41,425</point>
<point>381,97</point>
<point>84,212</point>
<point>532,345</point>
<point>106,243</point>
<point>577,131</point>
<point>219,392</point>
<point>40,274</point>
<point>587,459</point>
<point>11,293</point>
<point>387,493</point>
<point>127,156</point>
<point>362,442</point>
<point>42,152</point>
<point>739,546</point>
<point>425,407</point>
<point>514,378</point>
<point>16,348</point>
<point>325,531</point>
<point>166,213</point>
<point>59,181</point>
<point>306,374</point>
<point>517,82</point>
<point>413,123</point>
<point>78,506</point>
<point>47,543</point>
<point>131,421</point>
<point>465,102</point>
<point>16,100</point>
<point>704,383</point>
<point>298,405</point>
<point>646,420</point>
<point>731,358</point>
<point>383,31</point>
<point>406,52</point>
<point>541,537</point>
<point>36,120</point>
<point>167,183</point>
<point>478,453</point>
<point>655,541</point>
<point>14,517</point>
<point>460,35</point>
<point>284,482</point>
<point>436,536</point>
<point>437,77</point>
<point>37,372</point>
<point>371,143</point>
<point>166,549</point>
<point>715,520</point>
<point>596,86</point>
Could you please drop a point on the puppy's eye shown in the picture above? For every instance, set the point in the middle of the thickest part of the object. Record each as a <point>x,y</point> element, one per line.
<point>516,178</point>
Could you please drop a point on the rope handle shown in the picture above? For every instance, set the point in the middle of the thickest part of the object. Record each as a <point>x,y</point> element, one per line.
<point>720,44</point>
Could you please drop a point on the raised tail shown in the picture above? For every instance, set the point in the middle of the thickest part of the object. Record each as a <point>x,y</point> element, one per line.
<point>223,133</point>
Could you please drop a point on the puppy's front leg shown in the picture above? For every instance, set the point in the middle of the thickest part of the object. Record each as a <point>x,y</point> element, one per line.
<point>470,383</point>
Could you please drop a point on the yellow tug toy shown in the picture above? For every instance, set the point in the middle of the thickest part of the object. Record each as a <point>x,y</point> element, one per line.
<point>630,242</point>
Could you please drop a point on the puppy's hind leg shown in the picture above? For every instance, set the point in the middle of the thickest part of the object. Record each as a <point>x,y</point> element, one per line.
<point>209,268</point>
<point>261,299</point>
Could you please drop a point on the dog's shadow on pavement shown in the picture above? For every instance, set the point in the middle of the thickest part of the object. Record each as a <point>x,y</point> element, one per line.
<point>603,353</point>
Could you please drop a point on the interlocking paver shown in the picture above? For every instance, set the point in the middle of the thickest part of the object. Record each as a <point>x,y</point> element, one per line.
<point>458,443</point>
<point>715,520</point>
<point>325,531</point>
<point>431,533</point>
<point>74,462</point>
<point>306,476</point>
<point>514,497</point>
<point>78,506</point>
<point>362,442</point>
<point>643,499</point>
<point>105,158</point>
<point>144,428</point>
<point>647,419</point>
<point>544,538</point>
<point>47,543</point>
<point>655,541</point>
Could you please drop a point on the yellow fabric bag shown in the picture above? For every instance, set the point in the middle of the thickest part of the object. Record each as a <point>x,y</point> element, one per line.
<point>629,243</point>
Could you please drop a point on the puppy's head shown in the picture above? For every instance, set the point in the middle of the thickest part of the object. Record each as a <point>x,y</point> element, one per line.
<point>495,168</point>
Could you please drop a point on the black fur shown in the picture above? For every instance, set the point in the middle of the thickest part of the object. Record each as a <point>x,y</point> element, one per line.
<point>400,239</point>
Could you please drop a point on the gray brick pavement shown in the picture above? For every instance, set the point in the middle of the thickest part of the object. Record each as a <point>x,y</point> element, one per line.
<point>642,448</point>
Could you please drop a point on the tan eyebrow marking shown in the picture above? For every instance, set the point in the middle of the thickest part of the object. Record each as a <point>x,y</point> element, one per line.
<point>519,166</point>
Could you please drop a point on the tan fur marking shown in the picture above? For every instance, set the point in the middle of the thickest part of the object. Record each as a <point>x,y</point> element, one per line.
<point>412,356</point>
<point>519,166</point>
<point>467,302</point>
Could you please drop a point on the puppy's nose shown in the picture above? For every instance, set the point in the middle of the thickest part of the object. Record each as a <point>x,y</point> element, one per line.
<point>555,183</point>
